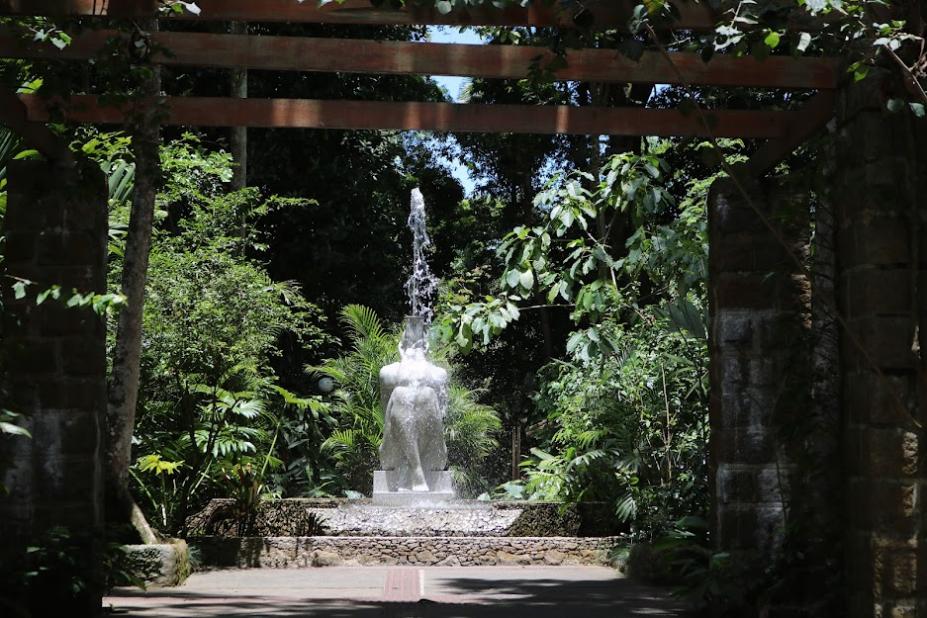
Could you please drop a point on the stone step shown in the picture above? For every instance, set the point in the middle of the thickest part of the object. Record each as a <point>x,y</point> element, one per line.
<point>318,551</point>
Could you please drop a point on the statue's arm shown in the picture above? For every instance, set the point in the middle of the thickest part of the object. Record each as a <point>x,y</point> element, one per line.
<point>384,398</point>
<point>444,394</point>
<point>387,384</point>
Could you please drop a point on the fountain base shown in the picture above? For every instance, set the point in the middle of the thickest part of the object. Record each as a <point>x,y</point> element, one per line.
<point>301,532</point>
<point>386,489</point>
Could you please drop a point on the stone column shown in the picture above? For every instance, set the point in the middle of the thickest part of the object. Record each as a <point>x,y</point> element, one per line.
<point>54,358</point>
<point>759,362</point>
<point>881,215</point>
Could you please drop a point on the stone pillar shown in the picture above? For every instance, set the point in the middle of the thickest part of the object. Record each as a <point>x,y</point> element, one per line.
<point>759,362</point>
<point>54,358</point>
<point>881,215</point>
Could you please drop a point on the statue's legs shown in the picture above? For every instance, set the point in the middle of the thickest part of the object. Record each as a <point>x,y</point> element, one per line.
<point>411,475</point>
<point>431,447</point>
<point>400,434</point>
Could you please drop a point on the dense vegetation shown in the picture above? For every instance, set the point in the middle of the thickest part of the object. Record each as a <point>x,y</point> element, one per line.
<point>618,413</point>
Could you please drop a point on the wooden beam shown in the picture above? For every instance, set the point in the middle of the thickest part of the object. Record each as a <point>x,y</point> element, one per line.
<point>80,8</point>
<point>813,117</point>
<point>490,61</point>
<point>312,114</point>
<point>604,13</point>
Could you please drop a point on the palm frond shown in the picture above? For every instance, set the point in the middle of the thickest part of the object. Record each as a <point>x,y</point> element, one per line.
<point>120,180</point>
<point>9,144</point>
<point>363,323</point>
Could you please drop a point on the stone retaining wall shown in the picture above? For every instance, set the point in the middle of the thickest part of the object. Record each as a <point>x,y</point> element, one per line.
<point>295,552</point>
<point>310,517</point>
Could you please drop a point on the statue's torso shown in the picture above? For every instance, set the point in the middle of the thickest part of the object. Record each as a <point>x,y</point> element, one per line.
<point>414,399</point>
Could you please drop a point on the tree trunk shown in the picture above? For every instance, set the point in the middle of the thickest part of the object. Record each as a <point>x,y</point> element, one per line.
<point>138,521</point>
<point>547,333</point>
<point>516,450</point>
<point>239,137</point>
<point>124,381</point>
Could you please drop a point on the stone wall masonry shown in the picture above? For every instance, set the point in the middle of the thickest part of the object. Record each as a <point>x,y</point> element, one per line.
<point>881,219</point>
<point>298,552</point>
<point>758,371</point>
<point>53,357</point>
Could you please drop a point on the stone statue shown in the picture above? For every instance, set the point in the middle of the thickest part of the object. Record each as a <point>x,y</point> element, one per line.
<point>414,396</point>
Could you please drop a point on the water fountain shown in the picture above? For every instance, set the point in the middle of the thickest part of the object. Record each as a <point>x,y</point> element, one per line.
<point>414,517</point>
<point>414,396</point>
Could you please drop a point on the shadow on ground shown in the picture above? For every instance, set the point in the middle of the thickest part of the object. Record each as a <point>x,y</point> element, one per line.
<point>536,599</point>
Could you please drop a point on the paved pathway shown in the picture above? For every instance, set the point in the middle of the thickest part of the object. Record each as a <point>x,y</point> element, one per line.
<point>401,592</point>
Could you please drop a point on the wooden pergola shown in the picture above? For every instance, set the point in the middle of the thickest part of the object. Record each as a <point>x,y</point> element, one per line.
<point>782,130</point>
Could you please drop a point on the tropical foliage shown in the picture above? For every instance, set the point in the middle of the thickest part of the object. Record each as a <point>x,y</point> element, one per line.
<point>626,411</point>
<point>210,404</point>
<point>629,427</point>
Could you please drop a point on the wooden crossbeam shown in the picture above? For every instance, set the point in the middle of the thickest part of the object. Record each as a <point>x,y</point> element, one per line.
<point>491,61</point>
<point>604,13</point>
<point>806,122</point>
<point>313,114</point>
<point>79,8</point>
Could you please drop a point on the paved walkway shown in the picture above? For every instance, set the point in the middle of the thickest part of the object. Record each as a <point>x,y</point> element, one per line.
<point>401,592</point>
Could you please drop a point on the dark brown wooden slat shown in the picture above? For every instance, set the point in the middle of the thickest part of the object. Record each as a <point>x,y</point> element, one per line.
<point>301,113</point>
<point>78,8</point>
<point>813,117</point>
<point>491,61</point>
<point>606,13</point>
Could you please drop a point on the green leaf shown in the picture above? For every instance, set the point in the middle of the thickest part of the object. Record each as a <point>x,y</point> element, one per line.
<point>895,105</point>
<point>804,40</point>
<point>157,466</point>
<point>552,293</point>
<point>61,40</point>
<point>444,6</point>
<point>859,71</point>
<point>772,40</point>
<point>542,455</point>
<point>463,340</point>
<point>15,430</point>
<point>527,279</point>
<point>54,291</point>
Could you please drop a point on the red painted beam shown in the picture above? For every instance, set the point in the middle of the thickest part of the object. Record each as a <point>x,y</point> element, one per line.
<point>490,61</point>
<point>313,114</point>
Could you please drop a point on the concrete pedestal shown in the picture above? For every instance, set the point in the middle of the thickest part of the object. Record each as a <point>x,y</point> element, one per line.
<point>385,489</point>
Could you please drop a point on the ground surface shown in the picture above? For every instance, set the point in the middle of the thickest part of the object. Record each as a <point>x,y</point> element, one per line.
<point>402,592</point>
